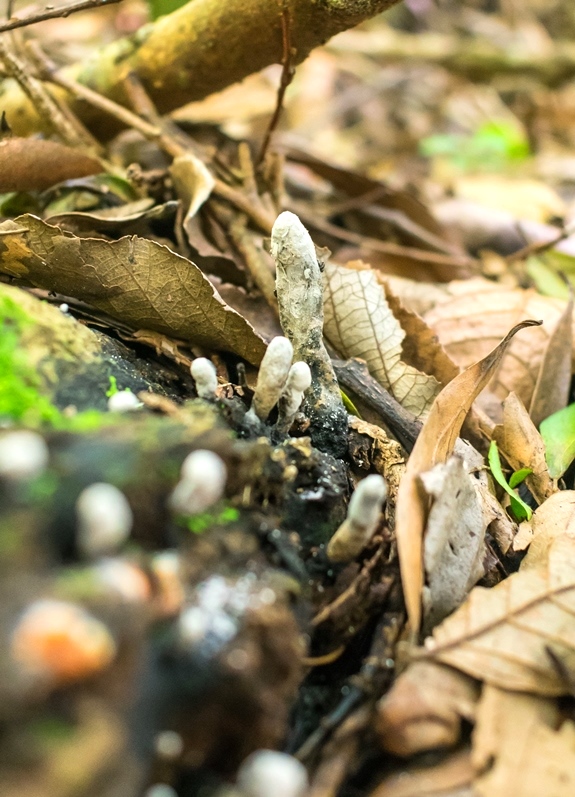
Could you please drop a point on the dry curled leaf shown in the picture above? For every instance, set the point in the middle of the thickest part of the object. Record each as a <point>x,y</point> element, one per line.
<point>551,392</point>
<point>31,164</point>
<point>135,280</point>
<point>434,444</point>
<point>359,323</point>
<point>421,346</point>
<point>503,635</point>
<point>522,446</point>
<point>193,182</point>
<point>474,315</point>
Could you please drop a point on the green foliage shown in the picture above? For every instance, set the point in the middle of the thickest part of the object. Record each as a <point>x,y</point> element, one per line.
<point>16,203</point>
<point>491,147</point>
<point>519,508</point>
<point>86,194</point>
<point>546,279</point>
<point>20,399</point>
<point>158,8</point>
<point>551,272</point>
<point>200,523</point>
<point>558,433</point>
<point>113,389</point>
<point>349,405</point>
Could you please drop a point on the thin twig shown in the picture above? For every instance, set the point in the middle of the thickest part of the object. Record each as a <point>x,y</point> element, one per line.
<point>53,13</point>
<point>46,106</point>
<point>459,264</point>
<point>536,247</point>
<point>254,260</point>
<point>287,76</point>
<point>167,142</point>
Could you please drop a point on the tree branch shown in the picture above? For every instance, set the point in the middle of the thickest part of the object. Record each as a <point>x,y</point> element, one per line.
<point>201,48</point>
<point>53,13</point>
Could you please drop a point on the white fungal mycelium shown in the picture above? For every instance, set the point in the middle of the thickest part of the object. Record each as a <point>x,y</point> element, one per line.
<point>124,401</point>
<point>202,483</point>
<point>205,376</point>
<point>298,381</point>
<point>272,377</point>
<point>104,519</point>
<point>23,455</point>
<point>268,772</point>
<point>361,521</point>
<point>299,288</point>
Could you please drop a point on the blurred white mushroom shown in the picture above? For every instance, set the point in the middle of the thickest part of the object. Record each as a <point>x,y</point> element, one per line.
<point>104,519</point>
<point>267,772</point>
<point>205,376</point>
<point>160,790</point>
<point>361,521</point>
<point>169,745</point>
<point>298,381</point>
<point>272,377</point>
<point>124,401</point>
<point>202,483</point>
<point>23,455</point>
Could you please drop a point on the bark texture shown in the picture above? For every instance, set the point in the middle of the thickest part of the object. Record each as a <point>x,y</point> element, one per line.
<point>203,47</point>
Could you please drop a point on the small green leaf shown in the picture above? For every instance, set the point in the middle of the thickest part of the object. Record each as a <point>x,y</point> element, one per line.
<point>519,476</point>
<point>518,507</point>
<point>197,524</point>
<point>349,405</point>
<point>558,433</point>
<point>159,8</point>
<point>546,279</point>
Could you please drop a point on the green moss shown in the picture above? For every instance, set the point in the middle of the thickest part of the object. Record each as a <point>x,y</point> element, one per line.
<point>50,731</point>
<point>200,523</point>
<point>20,399</point>
<point>20,384</point>
<point>43,487</point>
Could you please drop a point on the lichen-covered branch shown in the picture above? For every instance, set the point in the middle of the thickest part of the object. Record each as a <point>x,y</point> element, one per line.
<point>203,47</point>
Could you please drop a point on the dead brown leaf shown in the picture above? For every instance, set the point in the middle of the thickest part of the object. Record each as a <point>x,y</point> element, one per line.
<point>554,518</point>
<point>434,444</point>
<point>423,709</point>
<point>522,446</point>
<point>450,778</point>
<point>193,182</point>
<point>454,542</point>
<point>475,314</point>
<point>135,280</point>
<point>500,526</point>
<point>359,323</point>
<point>31,164</point>
<point>517,750</point>
<point>421,347</point>
<point>502,635</point>
<point>551,392</point>
<point>412,218</point>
